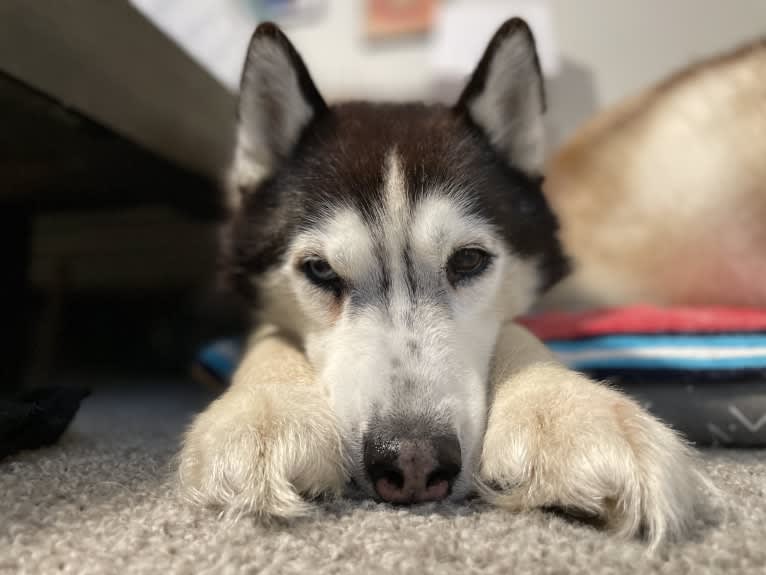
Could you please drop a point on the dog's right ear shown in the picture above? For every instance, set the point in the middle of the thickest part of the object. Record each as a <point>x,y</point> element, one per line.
<point>505,97</point>
<point>277,100</point>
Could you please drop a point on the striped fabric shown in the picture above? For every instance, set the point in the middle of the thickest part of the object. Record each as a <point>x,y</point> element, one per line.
<point>653,352</point>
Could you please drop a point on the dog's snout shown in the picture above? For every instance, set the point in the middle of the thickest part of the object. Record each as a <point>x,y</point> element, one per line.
<point>412,470</point>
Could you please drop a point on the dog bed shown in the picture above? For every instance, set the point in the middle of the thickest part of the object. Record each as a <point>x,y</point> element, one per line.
<point>701,370</point>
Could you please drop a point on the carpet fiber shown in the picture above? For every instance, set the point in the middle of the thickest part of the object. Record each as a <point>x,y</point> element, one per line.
<point>102,501</point>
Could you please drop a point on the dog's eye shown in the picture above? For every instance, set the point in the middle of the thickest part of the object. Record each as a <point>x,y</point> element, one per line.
<point>321,273</point>
<point>466,263</point>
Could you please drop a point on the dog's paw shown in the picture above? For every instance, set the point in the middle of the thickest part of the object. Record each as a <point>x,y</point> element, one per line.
<point>570,443</point>
<point>262,451</point>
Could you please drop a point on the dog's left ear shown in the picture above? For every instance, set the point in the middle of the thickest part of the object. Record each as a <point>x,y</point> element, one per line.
<point>505,97</point>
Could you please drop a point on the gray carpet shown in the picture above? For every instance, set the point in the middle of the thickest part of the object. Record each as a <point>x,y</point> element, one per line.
<point>102,502</point>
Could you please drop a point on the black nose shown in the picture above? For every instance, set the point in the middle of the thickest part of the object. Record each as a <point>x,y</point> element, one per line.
<point>412,470</point>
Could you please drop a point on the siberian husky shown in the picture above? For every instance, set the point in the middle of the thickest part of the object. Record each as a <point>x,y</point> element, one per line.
<point>385,250</point>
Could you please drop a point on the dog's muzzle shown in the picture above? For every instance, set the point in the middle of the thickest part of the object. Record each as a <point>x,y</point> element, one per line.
<point>412,468</point>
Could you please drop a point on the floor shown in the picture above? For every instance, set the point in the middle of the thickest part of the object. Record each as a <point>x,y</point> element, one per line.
<point>103,501</point>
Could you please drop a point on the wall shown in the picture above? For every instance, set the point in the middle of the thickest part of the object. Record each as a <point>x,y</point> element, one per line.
<point>626,45</point>
<point>608,49</point>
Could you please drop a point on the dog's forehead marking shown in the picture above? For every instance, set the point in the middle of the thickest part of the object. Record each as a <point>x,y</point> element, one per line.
<point>396,200</point>
<point>393,232</point>
<point>435,215</point>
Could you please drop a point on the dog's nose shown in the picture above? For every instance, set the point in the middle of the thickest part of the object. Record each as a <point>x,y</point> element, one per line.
<point>412,470</point>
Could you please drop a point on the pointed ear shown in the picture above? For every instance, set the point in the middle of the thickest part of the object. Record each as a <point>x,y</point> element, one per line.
<point>505,97</point>
<point>277,100</point>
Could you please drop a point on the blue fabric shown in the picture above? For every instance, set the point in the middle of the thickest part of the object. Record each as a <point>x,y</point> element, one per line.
<point>220,358</point>
<point>664,340</point>
<point>667,363</point>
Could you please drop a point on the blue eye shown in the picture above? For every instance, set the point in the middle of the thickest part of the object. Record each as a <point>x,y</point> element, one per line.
<point>320,273</point>
<point>467,263</point>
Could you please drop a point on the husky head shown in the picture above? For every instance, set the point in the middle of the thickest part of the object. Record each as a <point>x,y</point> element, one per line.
<point>394,240</point>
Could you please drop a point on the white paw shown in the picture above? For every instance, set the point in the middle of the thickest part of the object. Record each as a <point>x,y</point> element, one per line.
<point>570,443</point>
<point>262,451</point>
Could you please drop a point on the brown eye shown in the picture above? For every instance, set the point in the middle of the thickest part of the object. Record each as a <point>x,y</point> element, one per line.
<point>321,274</point>
<point>467,263</point>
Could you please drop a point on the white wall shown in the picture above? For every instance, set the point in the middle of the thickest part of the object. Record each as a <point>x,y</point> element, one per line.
<point>628,44</point>
<point>622,46</point>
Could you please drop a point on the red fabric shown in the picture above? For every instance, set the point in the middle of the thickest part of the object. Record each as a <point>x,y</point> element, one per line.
<point>645,319</point>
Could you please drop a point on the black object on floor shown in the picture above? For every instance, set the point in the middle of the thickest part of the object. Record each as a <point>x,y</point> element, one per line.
<point>37,417</point>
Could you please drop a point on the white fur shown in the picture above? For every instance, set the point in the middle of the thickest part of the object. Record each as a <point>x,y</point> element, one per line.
<point>354,352</point>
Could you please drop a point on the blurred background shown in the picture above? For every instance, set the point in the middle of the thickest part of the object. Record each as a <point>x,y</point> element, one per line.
<point>116,122</point>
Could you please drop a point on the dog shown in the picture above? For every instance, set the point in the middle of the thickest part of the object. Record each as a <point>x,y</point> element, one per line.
<point>662,198</point>
<point>385,250</point>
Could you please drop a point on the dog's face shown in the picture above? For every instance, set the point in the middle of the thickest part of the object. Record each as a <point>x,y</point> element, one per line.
<point>394,239</point>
